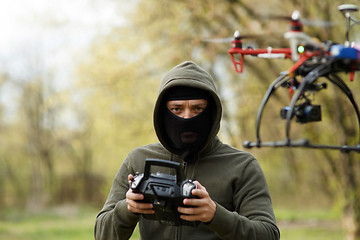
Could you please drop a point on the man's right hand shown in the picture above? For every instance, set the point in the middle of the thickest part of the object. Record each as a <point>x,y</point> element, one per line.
<point>132,202</point>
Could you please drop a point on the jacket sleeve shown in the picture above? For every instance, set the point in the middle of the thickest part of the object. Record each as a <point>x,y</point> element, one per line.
<point>115,221</point>
<point>253,217</point>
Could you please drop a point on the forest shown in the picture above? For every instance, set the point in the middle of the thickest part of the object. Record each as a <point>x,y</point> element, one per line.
<point>63,146</point>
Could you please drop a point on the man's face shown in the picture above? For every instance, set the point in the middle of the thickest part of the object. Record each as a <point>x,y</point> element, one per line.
<point>187,108</point>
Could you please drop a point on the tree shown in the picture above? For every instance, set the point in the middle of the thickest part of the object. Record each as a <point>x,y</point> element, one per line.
<point>165,33</point>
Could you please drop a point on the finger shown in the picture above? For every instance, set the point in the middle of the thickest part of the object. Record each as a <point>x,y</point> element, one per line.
<point>140,206</point>
<point>134,196</point>
<point>192,214</point>
<point>189,210</point>
<point>130,176</point>
<point>191,217</point>
<point>200,190</point>
<point>198,185</point>
<point>188,218</point>
<point>203,214</point>
<point>193,202</point>
<point>143,208</point>
<point>200,193</point>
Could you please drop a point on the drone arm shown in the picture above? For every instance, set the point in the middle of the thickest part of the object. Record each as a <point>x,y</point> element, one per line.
<point>265,53</point>
<point>302,59</point>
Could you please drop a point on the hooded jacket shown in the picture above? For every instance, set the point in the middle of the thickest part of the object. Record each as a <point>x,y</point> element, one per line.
<point>233,178</point>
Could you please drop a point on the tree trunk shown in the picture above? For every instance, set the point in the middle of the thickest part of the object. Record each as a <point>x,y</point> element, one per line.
<point>351,210</point>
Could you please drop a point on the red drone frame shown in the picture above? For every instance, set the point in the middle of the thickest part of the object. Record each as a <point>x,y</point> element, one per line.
<point>297,38</point>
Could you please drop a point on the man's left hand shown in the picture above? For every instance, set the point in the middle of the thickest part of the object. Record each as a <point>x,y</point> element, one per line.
<point>202,208</point>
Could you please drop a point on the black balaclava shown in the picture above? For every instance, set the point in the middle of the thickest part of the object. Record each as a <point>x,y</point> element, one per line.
<point>187,136</point>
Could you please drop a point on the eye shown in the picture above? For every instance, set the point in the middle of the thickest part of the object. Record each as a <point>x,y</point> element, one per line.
<point>199,109</point>
<point>175,109</point>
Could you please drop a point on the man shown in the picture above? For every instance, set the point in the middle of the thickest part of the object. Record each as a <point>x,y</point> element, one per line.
<point>233,200</point>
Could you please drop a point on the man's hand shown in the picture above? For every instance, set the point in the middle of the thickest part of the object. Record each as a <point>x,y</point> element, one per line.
<point>203,208</point>
<point>134,206</point>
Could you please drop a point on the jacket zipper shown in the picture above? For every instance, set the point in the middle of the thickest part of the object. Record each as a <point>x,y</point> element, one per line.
<point>179,228</point>
<point>185,168</point>
<point>179,231</point>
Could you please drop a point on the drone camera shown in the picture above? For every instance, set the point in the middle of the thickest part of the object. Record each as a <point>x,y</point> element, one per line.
<point>303,113</point>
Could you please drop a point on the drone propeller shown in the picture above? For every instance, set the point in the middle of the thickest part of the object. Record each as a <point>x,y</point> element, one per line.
<point>317,23</point>
<point>296,17</point>
<point>237,36</point>
<point>218,40</point>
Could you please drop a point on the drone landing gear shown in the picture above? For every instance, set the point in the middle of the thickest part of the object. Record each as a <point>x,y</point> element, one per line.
<point>327,70</point>
<point>305,143</point>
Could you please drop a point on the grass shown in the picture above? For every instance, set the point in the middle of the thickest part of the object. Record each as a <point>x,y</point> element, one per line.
<point>315,233</point>
<point>77,223</point>
<point>69,223</point>
<point>309,224</point>
<point>66,222</point>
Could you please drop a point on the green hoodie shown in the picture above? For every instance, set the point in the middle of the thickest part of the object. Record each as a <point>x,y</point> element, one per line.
<point>233,178</point>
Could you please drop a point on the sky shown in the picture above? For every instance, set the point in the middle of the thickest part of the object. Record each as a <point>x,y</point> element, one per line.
<point>53,34</point>
<point>23,20</point>
<point>52,30</point>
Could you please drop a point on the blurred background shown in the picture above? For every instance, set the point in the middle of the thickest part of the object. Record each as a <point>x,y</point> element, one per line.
<point>78,80</point>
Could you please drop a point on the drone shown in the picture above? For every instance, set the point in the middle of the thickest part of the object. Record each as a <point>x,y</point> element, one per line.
<point>312,60</point>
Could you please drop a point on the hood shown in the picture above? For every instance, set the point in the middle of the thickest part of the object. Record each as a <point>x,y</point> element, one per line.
<point>187,74</point>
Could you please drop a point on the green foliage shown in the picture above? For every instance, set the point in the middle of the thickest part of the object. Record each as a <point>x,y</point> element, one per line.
<point>112,100</point>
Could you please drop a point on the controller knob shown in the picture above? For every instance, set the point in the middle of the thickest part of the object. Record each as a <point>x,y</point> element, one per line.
<point>187,187</point>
